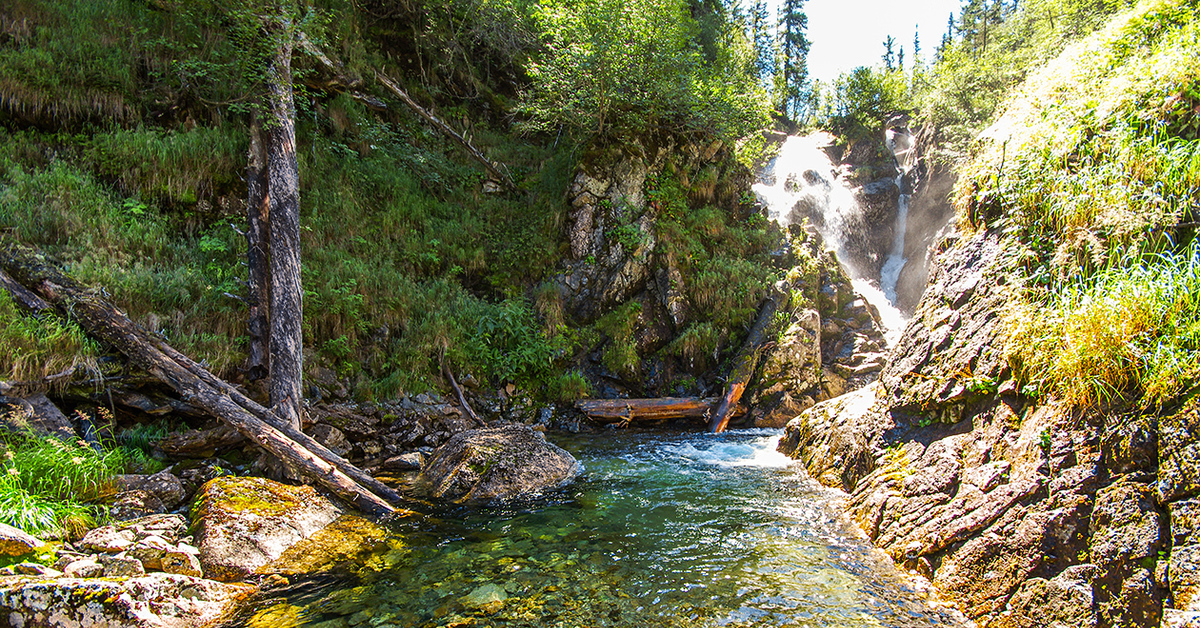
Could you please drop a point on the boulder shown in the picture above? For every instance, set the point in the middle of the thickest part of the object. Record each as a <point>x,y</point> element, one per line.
<point>342,543</point>
<point>164,486</point>
<point>497,463</point>
<point>244,523</point>
<point>151,601</point>
<point>36,414</point>
<point>15,542</point>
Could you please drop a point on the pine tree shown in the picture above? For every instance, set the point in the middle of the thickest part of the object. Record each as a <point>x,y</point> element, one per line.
<point>760,34</point>
<point>793,51</point>
<point>889,53</point>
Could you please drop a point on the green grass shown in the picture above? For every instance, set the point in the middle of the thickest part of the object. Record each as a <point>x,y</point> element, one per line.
<point>48,486</point>
<point>32,348</point>
<point>1089,175</point>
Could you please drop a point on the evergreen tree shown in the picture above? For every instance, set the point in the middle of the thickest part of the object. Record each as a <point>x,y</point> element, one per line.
<point>889,53</point>
<point>793,52</point>
<point>916,57</point>
<point>760,35</point>
<point>900,59</point>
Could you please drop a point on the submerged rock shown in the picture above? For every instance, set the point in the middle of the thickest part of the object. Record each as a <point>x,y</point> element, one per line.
<point>244,523</point>
<point>497,463</point>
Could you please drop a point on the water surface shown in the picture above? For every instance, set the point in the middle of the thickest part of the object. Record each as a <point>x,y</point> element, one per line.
<point>663,529</point>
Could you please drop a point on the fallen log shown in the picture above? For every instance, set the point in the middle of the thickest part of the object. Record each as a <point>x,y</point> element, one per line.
<point>193,383</point>
<point>633,410</point>
<point>744,363</point>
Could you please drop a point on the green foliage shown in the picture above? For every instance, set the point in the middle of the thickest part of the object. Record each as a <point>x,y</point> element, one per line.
<point>32,348</point>
<point>623,67</point>
<point>45,484</point>
<point>621,354</point>
<point>862,100</point>
<point>1090,172</point>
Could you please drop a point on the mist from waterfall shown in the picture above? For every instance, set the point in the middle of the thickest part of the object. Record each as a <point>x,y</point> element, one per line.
<point>901,144</point>
<point>803,181</point>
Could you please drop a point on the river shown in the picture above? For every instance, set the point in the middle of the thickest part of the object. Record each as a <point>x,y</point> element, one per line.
<point>663,529</point>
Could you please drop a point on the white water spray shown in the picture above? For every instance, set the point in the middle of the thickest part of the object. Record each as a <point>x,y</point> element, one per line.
<point>803,181</point>
<point>901,144</point>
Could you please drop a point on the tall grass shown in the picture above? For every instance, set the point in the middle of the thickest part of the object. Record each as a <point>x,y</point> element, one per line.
<point>1130,335</point>
<point>33,348</point>
<point>48,486</point>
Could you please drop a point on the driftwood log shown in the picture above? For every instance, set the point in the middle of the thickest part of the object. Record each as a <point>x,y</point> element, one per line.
<point>634,410</point>
<point>195,384</point>
<point>744,363</point>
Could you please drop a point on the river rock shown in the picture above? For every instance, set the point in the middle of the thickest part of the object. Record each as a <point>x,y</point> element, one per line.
<point>164,486</point>
<point>244,523</point>
<point>118,566</point>
<point>84,568</point>
<point>151,601</point>
<point>15,542</point>
<point>342,543</point>
<point>498,463</point>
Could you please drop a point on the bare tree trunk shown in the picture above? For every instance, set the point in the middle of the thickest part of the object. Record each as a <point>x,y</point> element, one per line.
<point>744,363</point>
<point>258,233</point>
<point>283,186</point>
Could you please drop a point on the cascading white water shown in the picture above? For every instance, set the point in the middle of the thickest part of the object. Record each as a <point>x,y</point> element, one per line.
<point>803,181</point>
<point>901,144</point>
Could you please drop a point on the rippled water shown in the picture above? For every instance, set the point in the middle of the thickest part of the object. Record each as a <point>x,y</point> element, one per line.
<point>662,530</point>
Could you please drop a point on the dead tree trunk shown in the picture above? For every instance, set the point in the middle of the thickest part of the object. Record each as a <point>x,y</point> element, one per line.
<point>196,385</point>
<point>258,246</point>
<point>283,187</point>
<point>744,363</point>
<point>634,410</point>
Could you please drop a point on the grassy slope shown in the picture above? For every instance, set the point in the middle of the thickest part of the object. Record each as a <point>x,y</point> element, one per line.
<point>1092,174</point>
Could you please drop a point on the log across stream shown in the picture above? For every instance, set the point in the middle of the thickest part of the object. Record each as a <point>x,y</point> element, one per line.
<point>664,528</point>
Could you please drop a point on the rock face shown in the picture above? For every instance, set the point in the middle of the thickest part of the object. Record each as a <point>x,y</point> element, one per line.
<point>1025,512</point>
<point>498,463</point>
<point>244,523</point>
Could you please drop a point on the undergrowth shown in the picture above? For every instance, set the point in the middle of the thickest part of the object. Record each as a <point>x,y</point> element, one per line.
<point>34,348</point>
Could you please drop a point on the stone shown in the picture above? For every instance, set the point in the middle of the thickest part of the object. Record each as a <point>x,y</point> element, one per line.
<point>117,566</point>
<point>831,438</point>
<point>107,539</point>
<point>405,462</point>
<point>488,598</point>
<point>1126,525</point>
<point>164,486</point>
<point>497,463</point>
<point>242,524</point>
<point>36,569</point>
<point>36,414</point>
<point>149,551</point>
<point>15,542</point>
<point>181,562</point>
<point>84,568</point>
<point>1065,601</point>
<point>1184,577</point>
<point>135,504</point>
<point>150,601</point>
<point>1179,454</point>
<point>331,437</point>
<point>342,543</point>
<point>1185,522</point>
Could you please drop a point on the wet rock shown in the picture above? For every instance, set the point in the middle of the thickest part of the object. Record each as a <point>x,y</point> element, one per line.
<point>244,523</point>
<point>498,463</point>
<point>405,462</point>
<point>833,438</point>
<point>15,542</point>
<point>341,544</point>
<point>488,598</point>
<point>150,601</point>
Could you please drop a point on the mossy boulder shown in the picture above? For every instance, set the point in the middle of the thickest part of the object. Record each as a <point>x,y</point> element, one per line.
<point>340,544</point>
<point>242,524</point>
<point>497,464</point>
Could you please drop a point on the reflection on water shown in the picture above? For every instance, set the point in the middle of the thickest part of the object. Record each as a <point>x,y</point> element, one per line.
<point>662,530</point>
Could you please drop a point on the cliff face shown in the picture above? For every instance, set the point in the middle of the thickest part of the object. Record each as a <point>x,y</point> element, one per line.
<point>992,474</point>
<point>1026,513</point>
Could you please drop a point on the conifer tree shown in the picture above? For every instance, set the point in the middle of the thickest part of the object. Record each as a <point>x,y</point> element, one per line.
<point>793,52</point>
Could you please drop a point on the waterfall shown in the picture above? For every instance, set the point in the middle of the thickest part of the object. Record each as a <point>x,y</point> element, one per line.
<point>901,143</point>
<point>803,182</point>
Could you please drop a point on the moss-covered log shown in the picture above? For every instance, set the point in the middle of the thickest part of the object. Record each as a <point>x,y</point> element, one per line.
<point>744,363</point>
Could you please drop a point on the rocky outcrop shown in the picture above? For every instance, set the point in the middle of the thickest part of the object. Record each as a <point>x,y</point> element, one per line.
<point>151,601</point>
<point>497,463</point>
<point>1024,511</point>
<point>242,524</point>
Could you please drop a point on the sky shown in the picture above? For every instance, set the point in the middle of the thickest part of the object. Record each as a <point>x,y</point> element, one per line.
<point>848,33</point>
